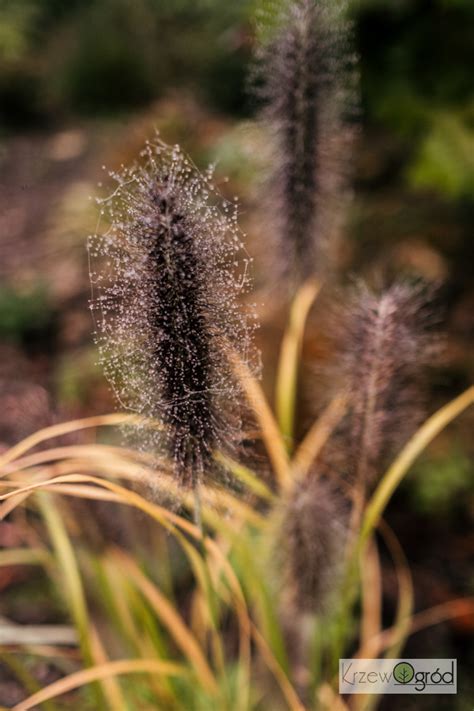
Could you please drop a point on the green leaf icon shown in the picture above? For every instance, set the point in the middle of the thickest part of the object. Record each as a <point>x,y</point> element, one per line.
<point>403,672</point>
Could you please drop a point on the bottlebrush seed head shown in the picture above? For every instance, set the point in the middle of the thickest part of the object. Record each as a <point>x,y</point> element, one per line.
<point>171,273</point>
<point>305,79</point>
<point>387,344</point>
<point>313,536</point>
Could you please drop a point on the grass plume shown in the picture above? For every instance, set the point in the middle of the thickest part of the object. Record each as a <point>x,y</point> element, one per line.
<point>168,307</point>
<point>305,80</point>
<point>313,536</point>
<point>387,344</point>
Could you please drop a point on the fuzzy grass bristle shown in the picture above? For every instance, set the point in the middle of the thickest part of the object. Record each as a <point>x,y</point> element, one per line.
<point>305,80</point>
<point>314,536</point>
<point>387,345</point>
<point>167,306</point>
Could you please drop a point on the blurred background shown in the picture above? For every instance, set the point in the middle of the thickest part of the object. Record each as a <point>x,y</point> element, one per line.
<point>84,83</point>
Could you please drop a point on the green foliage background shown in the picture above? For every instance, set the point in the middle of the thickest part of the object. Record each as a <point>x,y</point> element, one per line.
<point>100,56</point>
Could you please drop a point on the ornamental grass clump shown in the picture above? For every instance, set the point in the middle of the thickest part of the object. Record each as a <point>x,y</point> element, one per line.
<point>304,79</point>
<point>166,303</point>
<point>280,575</point>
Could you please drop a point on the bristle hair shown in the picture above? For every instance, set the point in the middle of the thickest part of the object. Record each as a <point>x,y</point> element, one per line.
<point>313,537</point>
<point>305,81</point>
<point>167,306</point>
<point>387,343</point>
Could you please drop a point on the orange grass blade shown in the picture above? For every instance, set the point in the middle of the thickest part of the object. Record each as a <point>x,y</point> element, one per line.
<point>111,685</point>
<point>98,673</point>
<point>406,593</point>
<point>171,619</point>
<point>271,434</point>
<point>452,609</point>
<point>284,683</point>
<point>330,700</point>
<point>62,429</point>
<point>317,436</point>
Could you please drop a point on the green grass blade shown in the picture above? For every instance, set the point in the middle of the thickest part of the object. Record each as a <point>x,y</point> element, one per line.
<point>287,376</point>
<point>407,456</point>
<point>73,592</point>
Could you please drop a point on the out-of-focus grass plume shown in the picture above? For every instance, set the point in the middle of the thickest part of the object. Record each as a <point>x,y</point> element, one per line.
<point>305,81</point>
<point>387,344</point>
<point>313,538</point>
